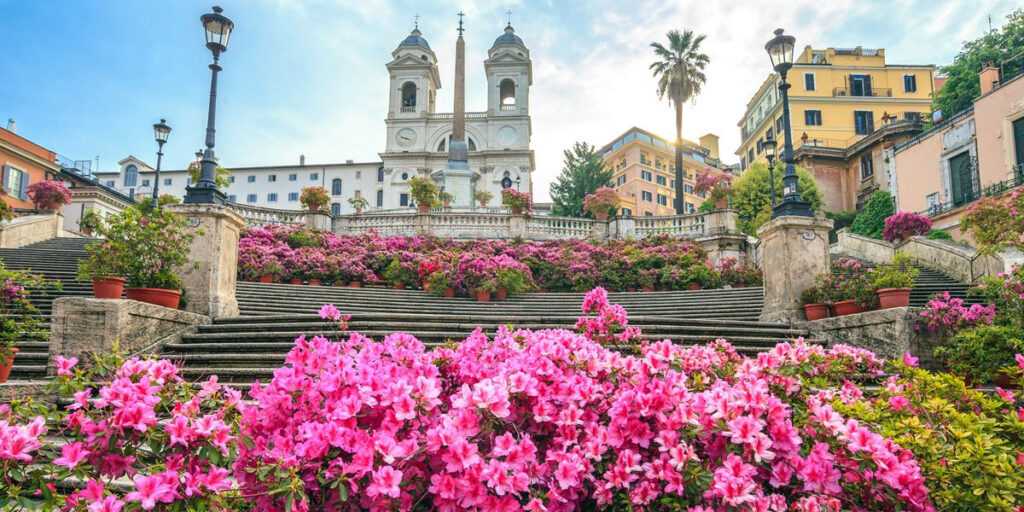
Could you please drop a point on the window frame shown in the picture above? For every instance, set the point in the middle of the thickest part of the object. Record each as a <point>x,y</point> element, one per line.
<point>812,117</point>
<point>814,81</point>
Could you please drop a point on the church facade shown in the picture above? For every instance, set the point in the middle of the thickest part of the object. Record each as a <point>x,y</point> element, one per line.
<point>418,139</point>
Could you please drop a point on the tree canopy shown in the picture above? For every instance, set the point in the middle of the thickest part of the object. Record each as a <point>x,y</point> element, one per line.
<point>221,177</point>
<point>870,221</point>
<point>583,172</point>
<point>999,46</point>
<point>752,194</point>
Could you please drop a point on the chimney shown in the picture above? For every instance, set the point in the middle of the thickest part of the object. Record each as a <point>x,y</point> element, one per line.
<point>710,143</point>
<point>302,159</point>
<point>12,126</point>
<point>989,77</point>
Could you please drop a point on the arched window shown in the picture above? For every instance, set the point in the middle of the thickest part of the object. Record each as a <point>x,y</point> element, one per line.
<point>442,147</point>
<point>472,145</point>
<point>131,175</point>
<point>507,93</point>
<point>336,187</point>
<point>335,208</point>
<point>408,97</point>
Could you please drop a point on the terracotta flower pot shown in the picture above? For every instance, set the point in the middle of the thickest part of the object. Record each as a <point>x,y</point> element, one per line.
<point>693,286</point>
<point>107,287</point>
<point>423,208</point>
<point>846,307</point>
<point>158,296</point>
<point>502,293</point>
<point>893,297</point>
<point>359,210</point>
<point>906,235</point>
<point>355,284</point>
<point>816,311</point>
<point>483,296</point>
<point>87,231</point>
<point>483,203</point>
<point>295,280</point>
<point>314,282</point>
<point>266,279</point>
<point>631,290</point>
<point>516,210</point>
<point>601,215</point>
<point>647,288</point>
<point>399,286</point>
<point>449,292</point>
<point>739,285</point>
<point>6,364</point>
<point>314,207</point>
<point>722,203</point>
<point>447,204</point>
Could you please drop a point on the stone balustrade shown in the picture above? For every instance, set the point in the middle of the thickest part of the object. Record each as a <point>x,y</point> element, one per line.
<point>32,228</point>
<point>257,216</point>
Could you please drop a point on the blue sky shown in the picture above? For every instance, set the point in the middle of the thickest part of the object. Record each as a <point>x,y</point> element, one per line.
<point>90,77</point>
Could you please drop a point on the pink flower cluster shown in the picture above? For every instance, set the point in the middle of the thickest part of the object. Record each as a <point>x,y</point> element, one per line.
<point>905,222</point>
<point>551,420</point>
<point>949,313</point>
<point>610,325</point>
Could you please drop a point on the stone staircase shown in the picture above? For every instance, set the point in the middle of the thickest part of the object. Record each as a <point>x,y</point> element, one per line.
<point>929,282</point>
<point>56,259</point>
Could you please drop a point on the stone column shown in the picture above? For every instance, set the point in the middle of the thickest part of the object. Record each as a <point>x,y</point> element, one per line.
<point>622,228</point>
<point>599,229</point>
<point>517,226</point>
<point>720,221</point>
<point>318,220</point>
<point>794,250</point>
<point>210,287</point>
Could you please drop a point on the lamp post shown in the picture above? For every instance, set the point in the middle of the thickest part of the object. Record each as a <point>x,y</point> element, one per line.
<point>160,132</point>
<point>218,28</point>
<point>769,145</point>
<point>780,50</point>
<point>517,183</point>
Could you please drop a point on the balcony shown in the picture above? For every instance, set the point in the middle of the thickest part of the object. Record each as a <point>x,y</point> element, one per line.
<point>507,108</point>
<point>408,110</point>
<point>877,92</point>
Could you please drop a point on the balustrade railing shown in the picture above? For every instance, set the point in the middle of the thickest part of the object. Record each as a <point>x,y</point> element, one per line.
<point>258,216</point>
<point>558,228</point>
<point>692,225</point>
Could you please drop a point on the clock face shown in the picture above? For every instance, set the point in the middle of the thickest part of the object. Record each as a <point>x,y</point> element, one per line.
<point>405,137</point>
<point>507,135</point>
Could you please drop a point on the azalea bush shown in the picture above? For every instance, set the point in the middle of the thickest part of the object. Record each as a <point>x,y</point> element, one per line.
<point>717,184</point>
<point>91,220</point>
<point>603,201</point>
<point>741,270</point>
<point>1005,291</point>
<point>849,279</point>
<point>49,194</point>
<point>981,354</point>
<point>996,223</point>
<point>19,319</point>
<point>949,314</point>
<point>905,222</point>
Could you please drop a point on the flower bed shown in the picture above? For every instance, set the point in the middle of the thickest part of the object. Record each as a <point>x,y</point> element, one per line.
<point>513,266</point>
<point>524,420</point>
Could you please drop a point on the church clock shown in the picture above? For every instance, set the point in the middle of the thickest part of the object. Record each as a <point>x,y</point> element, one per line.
<point>405,137</point>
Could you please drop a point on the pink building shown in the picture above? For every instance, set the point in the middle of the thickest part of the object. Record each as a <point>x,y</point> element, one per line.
<point>975,153</point>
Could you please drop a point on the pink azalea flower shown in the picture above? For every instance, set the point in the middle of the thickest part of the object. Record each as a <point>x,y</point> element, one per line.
<point>71,455</point>
<point>1005,395</point>
<point>909,360</point>
<point>64,365</point>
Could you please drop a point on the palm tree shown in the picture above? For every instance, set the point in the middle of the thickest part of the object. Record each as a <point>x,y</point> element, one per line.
<point>680,74</point>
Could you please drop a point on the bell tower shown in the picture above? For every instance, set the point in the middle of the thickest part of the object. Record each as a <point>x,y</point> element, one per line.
<point>509,75</point>
<point>414,78</point>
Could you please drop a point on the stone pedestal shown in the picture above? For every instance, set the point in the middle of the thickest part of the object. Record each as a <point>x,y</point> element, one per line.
<point>210,287</point>
<point>517,226</point>
<point>319,220</point>
<point>622,228</point>
<point>794,250</point>
<point>82,326</point>
<point>721,221</point>
<point>889,333</point>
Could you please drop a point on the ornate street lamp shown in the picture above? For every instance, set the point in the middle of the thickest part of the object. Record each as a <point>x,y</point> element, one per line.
<point>780,50</point>
<point>769,145</point>
<point>517,183</point>
<point>218,29</point>
<point>160,132</point>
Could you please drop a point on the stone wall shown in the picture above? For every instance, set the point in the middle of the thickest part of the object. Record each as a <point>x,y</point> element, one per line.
<point>889,333</point>
<point>81,326</point>
<point>29,229</point>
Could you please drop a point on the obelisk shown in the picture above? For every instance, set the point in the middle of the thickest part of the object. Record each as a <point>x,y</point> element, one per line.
<point>457,177</point>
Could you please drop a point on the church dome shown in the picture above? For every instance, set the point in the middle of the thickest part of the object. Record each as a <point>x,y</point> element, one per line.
<point>416,39</point>
<point>509,37</point>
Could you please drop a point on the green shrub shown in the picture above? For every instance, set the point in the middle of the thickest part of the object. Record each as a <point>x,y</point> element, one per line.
<point>898,274</point>
<point>752,197</point>
<point>870,222</point>
<point>938,234</point>
<point>980,353</point>
<point>840,220</point>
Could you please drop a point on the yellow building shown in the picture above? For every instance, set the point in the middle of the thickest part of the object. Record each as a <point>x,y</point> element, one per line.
<point>644,171</point>
<point>838,98</point>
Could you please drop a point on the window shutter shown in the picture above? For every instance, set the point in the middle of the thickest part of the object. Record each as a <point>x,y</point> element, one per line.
<point>23,193</point>
<point>867,85</point>
<point>3,179</point>
<point>871,122</point>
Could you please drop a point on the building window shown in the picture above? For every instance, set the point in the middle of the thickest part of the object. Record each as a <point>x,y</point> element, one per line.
<point>867,167</point>
<point>688,188</point>
<point>16,182</point>
<point>646,196</point>
<point>621,180</point>
<point>110,183</point>
<point>251,178</point>
<point>293,196</point>
<point>662,181</point>
<point>931,201</point>
<point>1018,145</point>
<point>743,163</point>
<point>750,156</point>
<point>648,214</point>
<point>272,178</point>
<point>380,198</point>
<point>231,179</point>
<point>690,208</point>
<point>673,184</point>
<point>662,200</point>
<point>335,208</point>
<point>313,176</point>
<point>336,186</point>
<point>909,83</point>
<point>809,82</point>
<point>293,177</point>
<point>131,175</point>
<point>963,171</point>
<point>271,197</point>
<point>863,121</point>
<point>778,126</point>
<point>359,175</point>
<point>232,198</point>
<point>403,199</point>
<point>646,176</point>
<point>626,212</point>
<point>251,198</point>
<point>380,174</point>
<point>145,183</point>
<point>812,117</point>
<point>760,145</point>
<point>167,181</point>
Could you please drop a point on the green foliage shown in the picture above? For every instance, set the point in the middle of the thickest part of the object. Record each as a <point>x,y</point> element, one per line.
<point>996,223</point>
<point>515,281</point>
<point>18,317</point>
<point>840,220</point>
<point>1006,292</point>
<point>91,219</point>
<point>222,177</point>
<point>965,441</point>
<point>707,206</point>
<point>870,222</point>
<point>962,86</point>
<point>898,274</point>
<point>314,196</point>
<point>445,197</point>
<point>752,194</point>
<point>145,204</point>
<point>424,191</point>
<point>483,196</point>
<point>583,172</point>
<point>980,353</point>
<point>358,202</point>
<point>938,234</point>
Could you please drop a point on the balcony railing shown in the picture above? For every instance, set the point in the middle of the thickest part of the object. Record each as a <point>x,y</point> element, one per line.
<point>991,190</point>
<point>509,107</point>
<point>408,109</point>
<point>469,115</point>
<point>878,92</point>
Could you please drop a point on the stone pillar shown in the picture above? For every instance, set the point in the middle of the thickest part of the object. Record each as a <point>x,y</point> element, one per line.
<point>421,224</point>
<point>210,287</point>
<point>599,229</point>
<point>517,226</point>
<point>622,228</point>
<point>794,250</point>
<point>721,221</point>
<point>723,246</point>
<point>318,220</point>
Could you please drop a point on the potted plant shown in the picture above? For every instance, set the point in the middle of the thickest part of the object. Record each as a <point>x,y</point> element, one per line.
<point>401,273</point>
<point>314,198</point>
<point>815,307</point>
<point>445,198</point>
<point>483,196</point>
<point>904,225</point>
<point>424,192</point>
<point>852,287</point>
<point>102,268</point>
<point>90,221</point>
<point>49,194</point>
<point>516,201</point>
<point>514,279</point>
<point>717,184</point>
<point>358,203</point>
<point>602,202</point>
<point>894,281</point>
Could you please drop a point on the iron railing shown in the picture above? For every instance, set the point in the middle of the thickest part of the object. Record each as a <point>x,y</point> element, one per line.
<point>988,191</point>
<point>878,92</point>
